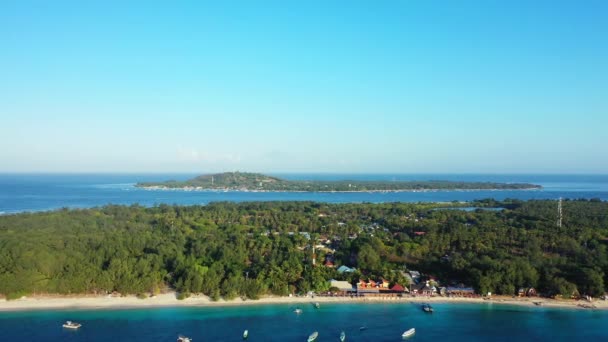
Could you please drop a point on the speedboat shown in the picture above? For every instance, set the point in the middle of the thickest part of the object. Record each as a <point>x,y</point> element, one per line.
<point>298,311</point>
<point>342,336</point>
<point>183,339</point>
<point>408,333</point>
<point>427,308</point>
<point>71,325</point>
<point>313,337</point>
<point>245,334</point>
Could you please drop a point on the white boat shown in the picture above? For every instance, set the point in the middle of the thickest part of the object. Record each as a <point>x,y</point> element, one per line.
<point>408,333</point>
<point>298,311</point>
<point>316,305</point>
<point>245,334</point>
<point>183,339</point>
<point>71,325</point>
<point>313,337</point>
<point>342,336</point>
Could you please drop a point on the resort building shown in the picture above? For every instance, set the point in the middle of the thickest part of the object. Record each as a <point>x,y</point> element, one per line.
<point>424,289</point>
<point>343,286</point>
<point>459,291</point>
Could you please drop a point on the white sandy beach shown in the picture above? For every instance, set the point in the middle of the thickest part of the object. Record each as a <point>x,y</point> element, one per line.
<point>41,302</point>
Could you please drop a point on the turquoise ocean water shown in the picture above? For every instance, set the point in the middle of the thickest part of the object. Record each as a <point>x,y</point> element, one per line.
<point>35,192</point>
<point>384,322</point>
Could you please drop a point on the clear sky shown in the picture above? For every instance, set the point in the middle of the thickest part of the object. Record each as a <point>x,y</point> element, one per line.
<point>309,86</point>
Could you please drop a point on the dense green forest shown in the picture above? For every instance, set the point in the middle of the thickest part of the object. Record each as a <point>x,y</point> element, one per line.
<point>251,249</point>
<point>260,182</point>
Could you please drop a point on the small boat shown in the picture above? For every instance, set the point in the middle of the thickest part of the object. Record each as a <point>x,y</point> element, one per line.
<point>181,338</point>
<point>363,327</point>
<point>313,337</point>
<point>71,325</point>
<point>316,305</point>
<point>427,308</point>
<point>342,336</point>
<point>298,311</point>
<point>245,334</point>
<point>408,333</point>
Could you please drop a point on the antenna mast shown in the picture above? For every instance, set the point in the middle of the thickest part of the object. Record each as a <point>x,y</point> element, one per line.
<point>559,213</point>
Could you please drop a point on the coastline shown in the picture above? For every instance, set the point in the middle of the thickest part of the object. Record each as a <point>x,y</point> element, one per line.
<point>201,189</point>
<point>56,302</point>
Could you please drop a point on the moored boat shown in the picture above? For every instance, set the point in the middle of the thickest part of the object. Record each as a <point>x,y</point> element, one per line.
<point>408,333</point>
<point>71,325</point>
<point>298,311</point>
<point>316,305</point>
<point>245,334</point>
<point>313,337</point>
<point>183,339</point>
<point>427,308</point>
<point>342,336</point>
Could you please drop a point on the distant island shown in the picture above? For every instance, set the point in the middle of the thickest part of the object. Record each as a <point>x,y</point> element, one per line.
<point>246,181</point>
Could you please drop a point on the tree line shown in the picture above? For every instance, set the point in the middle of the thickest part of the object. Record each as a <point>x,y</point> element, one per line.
<point>252,249</point>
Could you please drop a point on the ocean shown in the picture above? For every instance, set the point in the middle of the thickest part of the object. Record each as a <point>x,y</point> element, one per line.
<point>37,192</point>
<point>384,322</point>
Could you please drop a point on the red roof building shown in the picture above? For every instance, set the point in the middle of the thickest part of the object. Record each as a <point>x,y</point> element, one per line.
<point>397,288</point>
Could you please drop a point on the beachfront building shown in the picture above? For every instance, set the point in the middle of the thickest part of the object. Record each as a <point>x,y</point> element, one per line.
<point>381,288</point>
<point>459,291</point>
<point>343,287</point>
<point>367,287</point>
<point>424,289</point>
<point>397,288</point>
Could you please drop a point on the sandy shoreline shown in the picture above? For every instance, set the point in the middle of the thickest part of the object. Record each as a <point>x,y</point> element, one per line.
<point>170,300</point>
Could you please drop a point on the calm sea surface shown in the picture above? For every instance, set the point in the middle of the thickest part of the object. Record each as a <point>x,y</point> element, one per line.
<point>384,322</point>
<point>35,192</point>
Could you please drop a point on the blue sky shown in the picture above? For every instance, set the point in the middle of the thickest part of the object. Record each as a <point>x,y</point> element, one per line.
<point>309,86</point>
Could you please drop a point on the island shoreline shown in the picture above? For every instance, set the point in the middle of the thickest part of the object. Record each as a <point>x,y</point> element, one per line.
<point>165,188</point>
<point>168,300</point>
